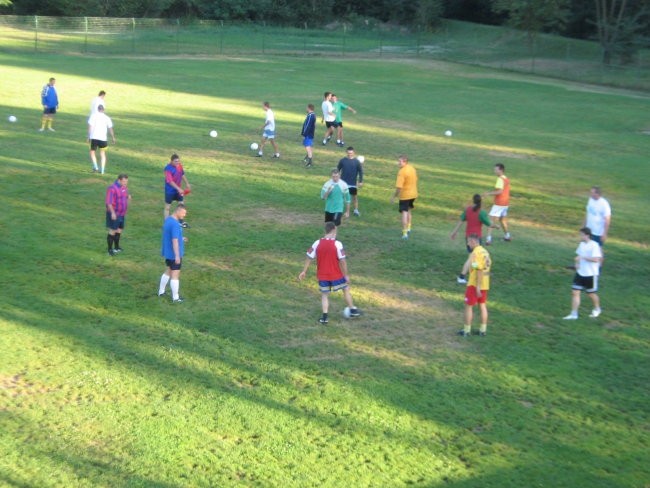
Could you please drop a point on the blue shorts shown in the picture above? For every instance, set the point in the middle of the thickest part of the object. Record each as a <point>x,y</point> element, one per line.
<point>118,223</point>
<point>170,197</point>
<point>49,110</point>
<point>308,141</point>
<point>268,134</point>
<point>325,286</point>
<point>171,264</point>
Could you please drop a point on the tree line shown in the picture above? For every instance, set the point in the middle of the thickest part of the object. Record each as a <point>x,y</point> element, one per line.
<point>622,27</point>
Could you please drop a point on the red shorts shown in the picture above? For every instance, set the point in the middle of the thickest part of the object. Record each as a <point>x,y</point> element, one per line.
<point>470,296</point>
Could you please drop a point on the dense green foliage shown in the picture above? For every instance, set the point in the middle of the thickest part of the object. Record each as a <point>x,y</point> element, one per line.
<point>102,384</point>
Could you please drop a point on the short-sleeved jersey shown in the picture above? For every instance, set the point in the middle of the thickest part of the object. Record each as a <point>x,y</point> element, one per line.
<point>351,171</point>
<point>172,229</point>
<point>173,174</point>
<point>598,210</point>
<point>480,260</point>
<point>94,105</point>
<point>118,197</point>
<point>338,197</point>
<point>407,182</point>
<point>475,220</point>
<point>270,120</point>
<point>98,125</point>
<point>338,107</point>
<point>327,252</point>
<point>327,110</point>
<point>503,183</point>
<point>309,126</point>
<point>589,249</point>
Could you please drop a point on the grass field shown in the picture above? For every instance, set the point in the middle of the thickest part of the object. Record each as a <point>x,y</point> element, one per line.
<point>102,384</point>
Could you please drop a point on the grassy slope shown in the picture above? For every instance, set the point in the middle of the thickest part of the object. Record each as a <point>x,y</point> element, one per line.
<point>103,385</point>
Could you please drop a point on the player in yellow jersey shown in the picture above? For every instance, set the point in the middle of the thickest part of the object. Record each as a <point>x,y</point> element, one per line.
<point>478,266</point>
<point>406,189</point>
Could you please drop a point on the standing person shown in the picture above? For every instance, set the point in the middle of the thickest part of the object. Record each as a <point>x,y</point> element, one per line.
<point>308,132</point>
<point>475,218</point>
<point>97,101</point>
<point>117,203</point>
<point>268,131</point>
<point>173,250</point>
<point>174,178</point>
<point>501,194</point>
<point>331,270</point>
<point>329,117</point>
<point>599,215</point>
<point>406,190</point>
<point>478,265</point>
<point>99,125</point>
<point>50,102</point>
<point>351,171</point>
<point>587,264</point>
<point>338,114</point>
<point>336,194</point>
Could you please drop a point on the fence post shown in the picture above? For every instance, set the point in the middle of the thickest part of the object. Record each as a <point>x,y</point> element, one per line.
<point>345,31</point>
<point>178,28</point>
<point>35,33</point>
<point>85,34</point>
<point>132,34</point>
<point>221,39</point>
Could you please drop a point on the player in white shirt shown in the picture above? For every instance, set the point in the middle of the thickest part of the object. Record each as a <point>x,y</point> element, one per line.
<point>329,117</point>
<point>97,101</point>
<point>599,215</point>
<point>268,131</point>
<point>587,264</point>
<point>99,125</point>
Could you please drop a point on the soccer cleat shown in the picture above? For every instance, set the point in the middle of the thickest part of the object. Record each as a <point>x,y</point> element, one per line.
<point>161,294</point>
<point>355,312</point>
<point>95,170</point>
<point>488,240</point>
<point>323,319</point>
<point>185,225</point>
<point>405,236</point>
<point>571,316</point>
<point>595,313</point>
<point>460,279</point>
<point>51,129</point>
<point>356,212</point>
<point>41,129</point>
<point>276,155</point>
<point>178,300</point>
<point>462,333</point>
<point>324,142</point>
<point>482,334</point>
<point>111,252</point>
<point>259,155</point>
<point>507,238</point>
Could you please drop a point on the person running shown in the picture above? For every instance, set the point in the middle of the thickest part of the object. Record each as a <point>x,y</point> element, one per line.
<point>268,132</point>
<point>406,190</point>
<point>173,250</point>
<point>50,103</point>
<point>351,171</point>
<point>308,132</point>
<point>117,203</point>
<point>99,126</point>
<point>174,179</point>
<point>329,118</point>
<point>478,266</point>
<point>499,210</point>
<point>338,114</point>
<point>336,194</point>
<point>475,218</point>
<point>587,264</point>
<point>331,270</point>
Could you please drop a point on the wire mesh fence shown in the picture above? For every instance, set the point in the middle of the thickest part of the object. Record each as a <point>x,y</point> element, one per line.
<point>454,41</point>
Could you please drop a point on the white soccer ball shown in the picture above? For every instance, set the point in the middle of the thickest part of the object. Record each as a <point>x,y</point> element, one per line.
<point>448,133</point>
<point>213,133</point>
<point>12,118</point>
<point>346,312</point>
<point>254,146</point>
<point>361,159</point>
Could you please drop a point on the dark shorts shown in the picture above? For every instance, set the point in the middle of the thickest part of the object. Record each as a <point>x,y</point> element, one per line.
<point>171,264</point>
<point>406,205</point>
<point>353,190</point>
<point>339,124</point>
<point>118,223</point>
<point>96,143</point>
<point>597,239</point>
<point>331,124</point>
<point>586,283</point>
<point>49,111</point>
<point>325,286</point>
<point>333,217</point>
<point>470,296</point>
<point>170,197</point>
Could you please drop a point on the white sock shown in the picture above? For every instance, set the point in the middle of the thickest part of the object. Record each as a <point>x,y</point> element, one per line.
<point>174,285</point>
<point>164,279</point>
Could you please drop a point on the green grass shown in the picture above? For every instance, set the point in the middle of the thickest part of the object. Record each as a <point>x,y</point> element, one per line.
<point>104,385</point>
